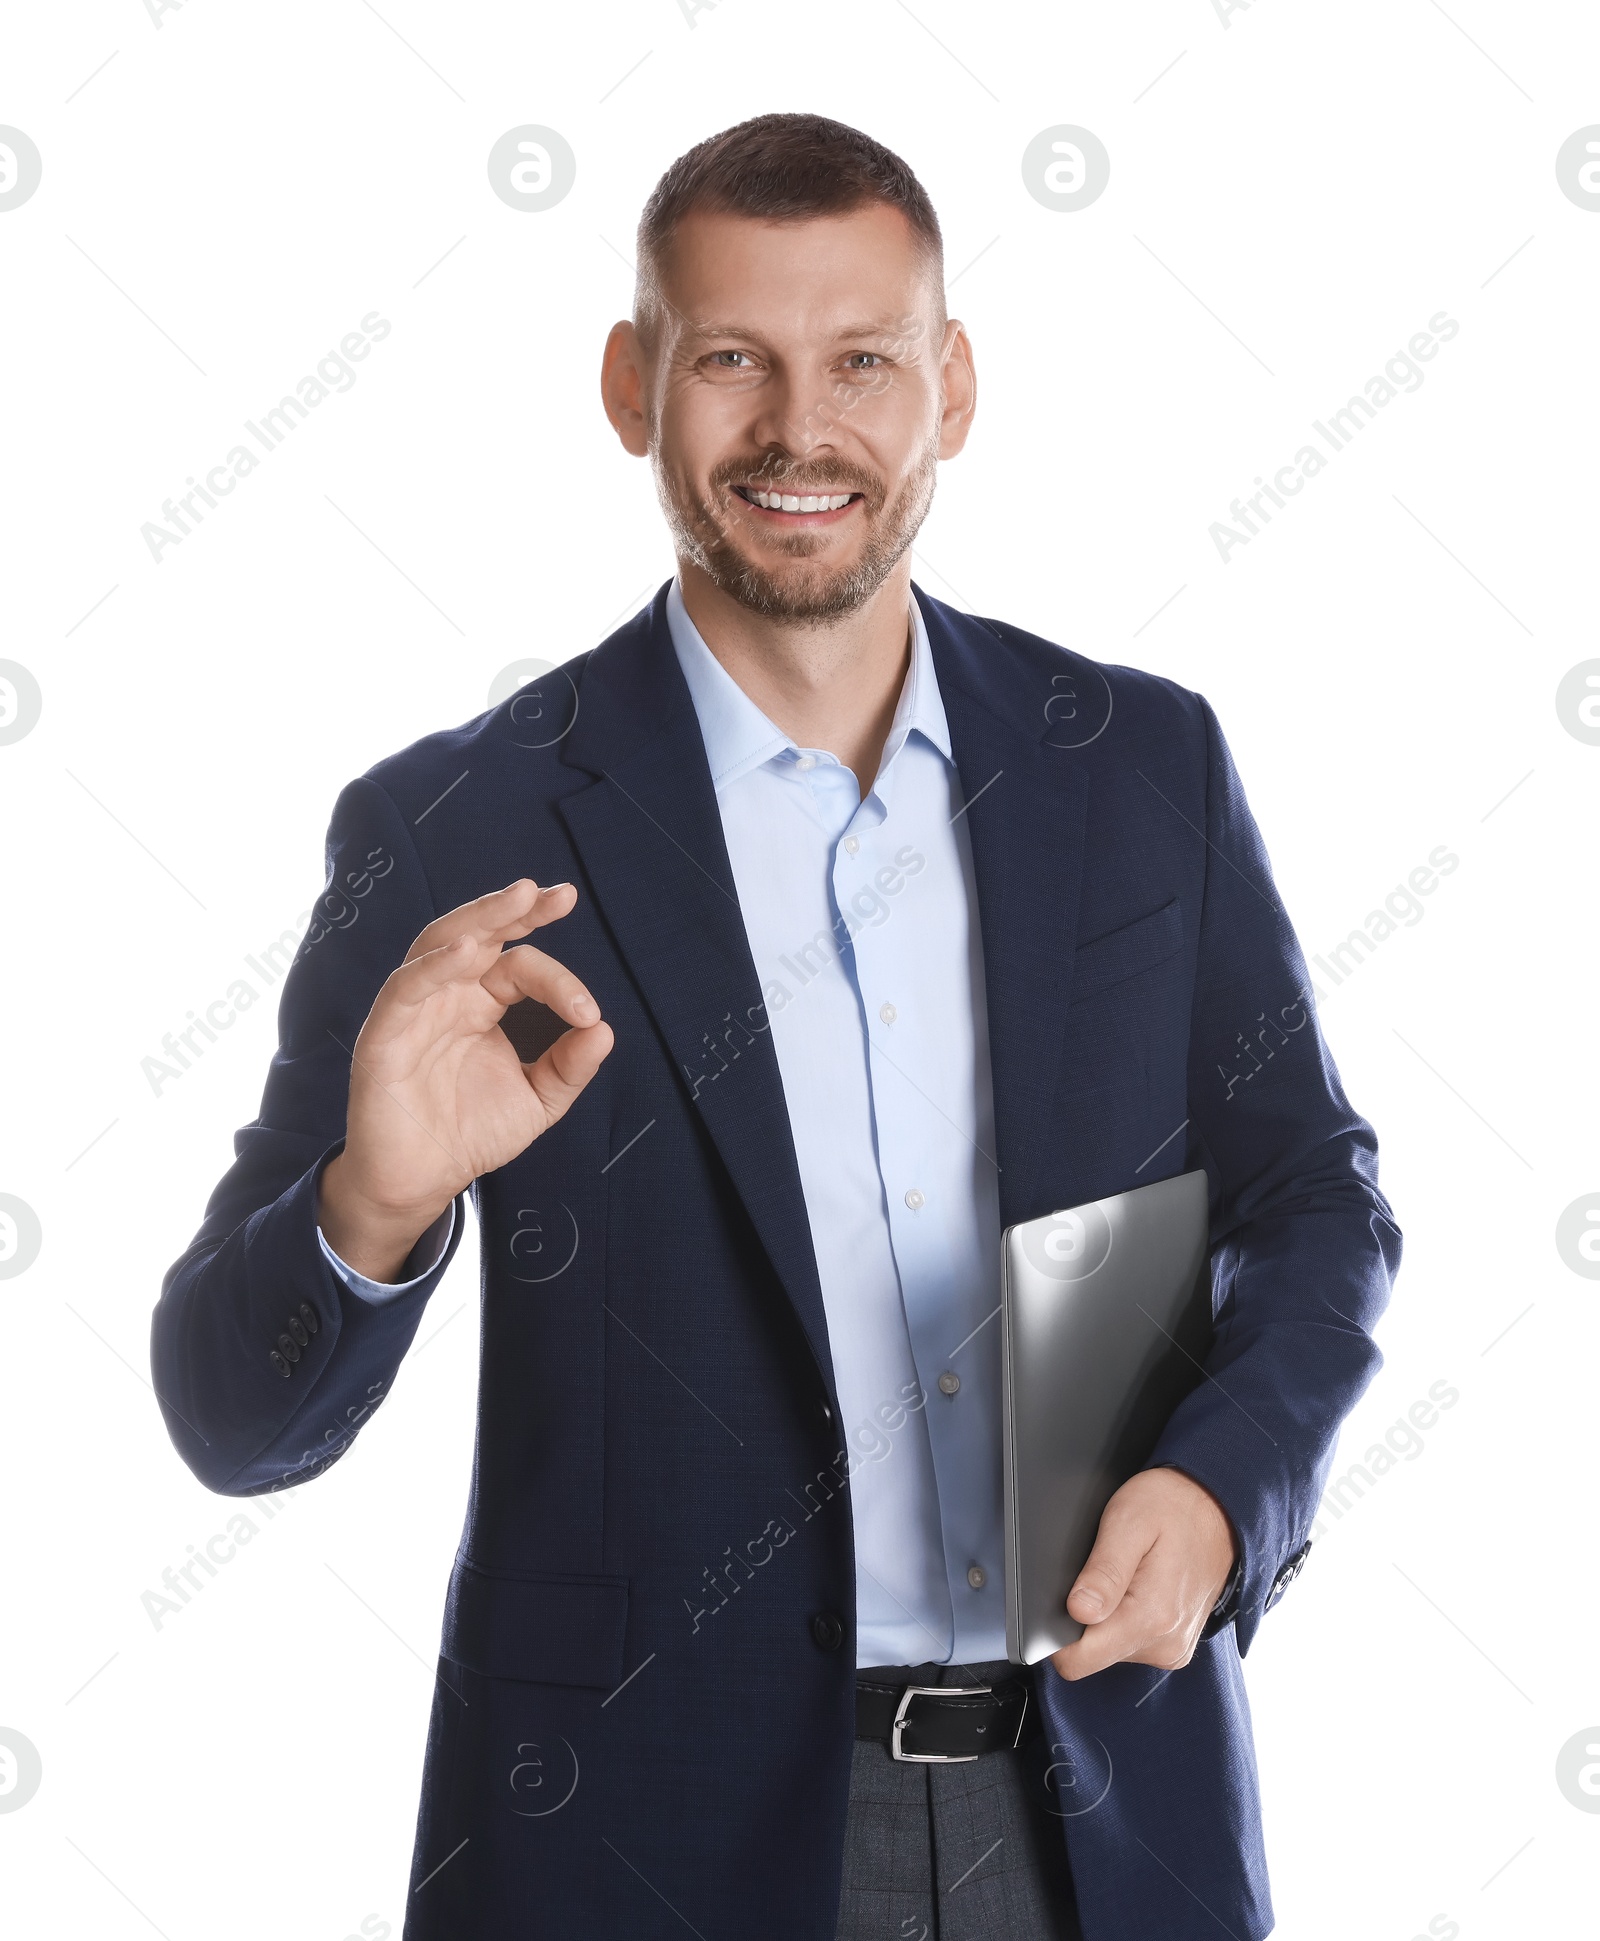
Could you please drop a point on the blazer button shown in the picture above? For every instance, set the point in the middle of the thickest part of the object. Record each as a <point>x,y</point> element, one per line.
<point>308,1314</point>
<point>298,1330</point>
<point>827,1631</point>
<point>280,1364</point>
<point>288,1347</point>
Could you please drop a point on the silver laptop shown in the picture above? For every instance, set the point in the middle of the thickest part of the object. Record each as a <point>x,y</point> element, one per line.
<point>1106,1312</point>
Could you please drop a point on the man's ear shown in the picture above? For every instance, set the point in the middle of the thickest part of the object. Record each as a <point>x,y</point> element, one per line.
<point>622,388</point>
<point>958,379</point>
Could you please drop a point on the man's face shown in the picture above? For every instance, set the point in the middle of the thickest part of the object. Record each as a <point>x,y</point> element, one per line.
<point>795,406</point>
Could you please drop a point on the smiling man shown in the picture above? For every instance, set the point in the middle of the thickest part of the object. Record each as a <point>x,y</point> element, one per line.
<point>882,928</point>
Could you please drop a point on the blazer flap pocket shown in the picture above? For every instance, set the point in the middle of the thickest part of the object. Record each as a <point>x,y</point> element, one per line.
<point>550,1630</point>
<point>1120,954</point>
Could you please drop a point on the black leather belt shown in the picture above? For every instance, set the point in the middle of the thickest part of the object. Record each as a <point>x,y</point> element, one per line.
<point>938,1724</point>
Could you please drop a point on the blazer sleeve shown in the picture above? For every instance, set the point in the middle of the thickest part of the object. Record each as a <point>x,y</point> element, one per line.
<point>1304,1245</point>
<point>265,1365</point>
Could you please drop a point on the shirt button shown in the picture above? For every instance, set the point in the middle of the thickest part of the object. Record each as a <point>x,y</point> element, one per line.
<point>949,1382</point>
<point>806,762</point>
<point>916,1199</point>
<point>851,844</point>
<point>977,1577</point>
<point>888,1013</point>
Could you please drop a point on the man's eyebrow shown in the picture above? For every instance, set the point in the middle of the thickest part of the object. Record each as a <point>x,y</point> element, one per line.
<point>708,327</point>
<point>877,327</point>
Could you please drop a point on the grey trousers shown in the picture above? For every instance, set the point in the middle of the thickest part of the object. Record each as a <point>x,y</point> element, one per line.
<point>967,1852</point>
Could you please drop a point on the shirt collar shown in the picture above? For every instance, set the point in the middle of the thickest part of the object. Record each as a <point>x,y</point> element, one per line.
<point>740,738</point>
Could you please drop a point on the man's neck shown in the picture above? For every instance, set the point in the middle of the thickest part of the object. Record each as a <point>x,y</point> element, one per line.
<point>833,686</point>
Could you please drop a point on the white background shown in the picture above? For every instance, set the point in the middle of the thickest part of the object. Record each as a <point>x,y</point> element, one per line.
<point>1294,198</point>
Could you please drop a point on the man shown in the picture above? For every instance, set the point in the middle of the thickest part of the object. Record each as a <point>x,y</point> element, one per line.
<point>881,928</point>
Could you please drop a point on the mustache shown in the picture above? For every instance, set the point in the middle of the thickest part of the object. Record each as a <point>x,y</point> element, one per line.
<point>769,474</point>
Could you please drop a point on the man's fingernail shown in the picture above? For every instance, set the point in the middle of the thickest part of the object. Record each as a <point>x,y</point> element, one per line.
<point>551,888</point>
<point>585,1007</point>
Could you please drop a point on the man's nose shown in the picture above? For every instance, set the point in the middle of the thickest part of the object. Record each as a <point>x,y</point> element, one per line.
<point>796,418</point>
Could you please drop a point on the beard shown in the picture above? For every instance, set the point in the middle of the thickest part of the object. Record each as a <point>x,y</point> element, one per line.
<point>798,586</point>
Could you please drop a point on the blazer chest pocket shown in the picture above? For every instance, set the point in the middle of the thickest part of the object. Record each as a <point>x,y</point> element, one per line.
<point>1121,954</point>
<point>546,1629</point>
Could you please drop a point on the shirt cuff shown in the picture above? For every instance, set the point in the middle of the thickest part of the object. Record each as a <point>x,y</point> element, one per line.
<point>422,1260</point>
<point>1226,1608</point>
<point>1230,1591</point>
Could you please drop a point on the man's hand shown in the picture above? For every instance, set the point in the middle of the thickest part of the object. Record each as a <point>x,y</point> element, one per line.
<point>1162,1556</point>
<point>437,1094</point>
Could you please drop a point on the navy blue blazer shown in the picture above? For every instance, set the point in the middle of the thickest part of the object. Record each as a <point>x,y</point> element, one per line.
<point>644,1713</point>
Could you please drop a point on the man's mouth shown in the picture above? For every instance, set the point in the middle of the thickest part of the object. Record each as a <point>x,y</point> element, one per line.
<point>800,505</point>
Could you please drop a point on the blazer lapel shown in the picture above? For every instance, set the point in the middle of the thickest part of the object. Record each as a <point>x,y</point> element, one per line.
<point>1027,798</point>
<point>650,835</point>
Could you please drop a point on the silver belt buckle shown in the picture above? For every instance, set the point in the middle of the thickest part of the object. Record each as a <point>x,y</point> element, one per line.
<point>940,1691</point>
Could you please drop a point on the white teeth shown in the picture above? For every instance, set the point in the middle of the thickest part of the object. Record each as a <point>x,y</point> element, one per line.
<point>791,502</point>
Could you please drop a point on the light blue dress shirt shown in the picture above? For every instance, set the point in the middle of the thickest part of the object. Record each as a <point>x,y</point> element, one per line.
<point>862,922</point>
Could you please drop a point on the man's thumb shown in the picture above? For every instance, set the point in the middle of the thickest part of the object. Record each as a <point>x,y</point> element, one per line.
<point>1105,1577</point>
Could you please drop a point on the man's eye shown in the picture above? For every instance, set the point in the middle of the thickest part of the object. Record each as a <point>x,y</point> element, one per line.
<point>718,357</point>
<point>863,360</point>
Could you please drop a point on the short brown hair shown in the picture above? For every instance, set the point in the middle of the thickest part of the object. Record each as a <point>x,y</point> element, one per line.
<point>780,168</point>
